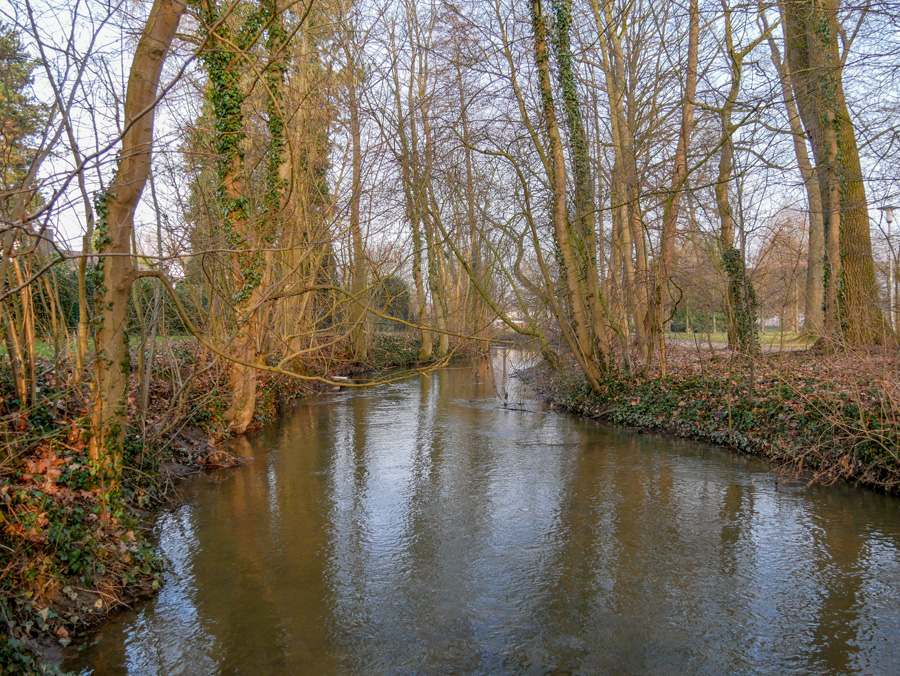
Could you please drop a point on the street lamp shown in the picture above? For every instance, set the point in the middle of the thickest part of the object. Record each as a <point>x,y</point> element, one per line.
<point>891,285</point>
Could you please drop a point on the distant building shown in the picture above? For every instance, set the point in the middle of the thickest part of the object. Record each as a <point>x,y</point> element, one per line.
<point>516,316</point>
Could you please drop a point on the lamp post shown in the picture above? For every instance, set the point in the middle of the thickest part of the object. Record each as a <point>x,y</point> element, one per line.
<point>892,282</point>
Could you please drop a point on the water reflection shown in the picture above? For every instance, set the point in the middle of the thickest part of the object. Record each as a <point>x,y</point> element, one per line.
<point>435,527</point>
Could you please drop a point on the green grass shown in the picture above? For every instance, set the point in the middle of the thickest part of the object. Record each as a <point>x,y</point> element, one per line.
<point>765,338</point>
<point>44,349</point>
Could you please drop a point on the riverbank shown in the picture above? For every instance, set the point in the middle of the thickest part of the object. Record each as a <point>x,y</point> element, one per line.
<point>430,527</point>
<point>63,568</point>
<point>836,416</point>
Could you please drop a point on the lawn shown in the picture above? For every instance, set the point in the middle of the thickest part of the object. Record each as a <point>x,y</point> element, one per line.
<point>44,349</point>
<point>773,338</point>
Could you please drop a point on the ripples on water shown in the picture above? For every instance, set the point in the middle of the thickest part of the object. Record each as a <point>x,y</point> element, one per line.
<point>421,528</point>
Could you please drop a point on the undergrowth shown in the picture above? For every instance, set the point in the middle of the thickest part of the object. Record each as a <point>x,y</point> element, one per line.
<point>64,564</point>
<point>841,424</point>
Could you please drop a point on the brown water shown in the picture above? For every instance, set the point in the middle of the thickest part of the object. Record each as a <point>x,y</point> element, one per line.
<point>420,528</point>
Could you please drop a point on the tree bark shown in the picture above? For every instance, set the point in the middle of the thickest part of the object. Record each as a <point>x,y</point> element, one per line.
<point>429,212</point>
<point>580,316</point>
<point>410,177</point>
<point>676,189</point>
<point>625,191</point>
<point>815,267</point>
<point>115,225</point>
<point>852,313</point>
<point>359,340</point>
<point>585,237</point>
<point>739,294</point>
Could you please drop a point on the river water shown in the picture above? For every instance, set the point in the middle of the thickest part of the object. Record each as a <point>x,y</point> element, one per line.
<point>433,527</point>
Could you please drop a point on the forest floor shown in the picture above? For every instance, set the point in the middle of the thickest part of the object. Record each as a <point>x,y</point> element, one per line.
<point>827,417</point>
<point>65,562</point>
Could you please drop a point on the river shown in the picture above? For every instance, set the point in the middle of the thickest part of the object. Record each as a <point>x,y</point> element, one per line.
<point>433,527</point>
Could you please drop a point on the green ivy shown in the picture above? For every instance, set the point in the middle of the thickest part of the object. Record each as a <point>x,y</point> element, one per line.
<point>742,297</point>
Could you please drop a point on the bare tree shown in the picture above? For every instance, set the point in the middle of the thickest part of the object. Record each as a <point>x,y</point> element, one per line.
<point>811,31</point>
<point>115,227</point>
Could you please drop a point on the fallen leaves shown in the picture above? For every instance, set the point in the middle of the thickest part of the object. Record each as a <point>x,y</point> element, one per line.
<point>838,413</point>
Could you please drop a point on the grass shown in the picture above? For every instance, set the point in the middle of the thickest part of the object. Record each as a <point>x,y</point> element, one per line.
<point>44,348</point>
<point>765,338</point>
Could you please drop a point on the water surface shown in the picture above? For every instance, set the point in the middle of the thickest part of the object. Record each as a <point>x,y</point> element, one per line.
<point>428,527</point>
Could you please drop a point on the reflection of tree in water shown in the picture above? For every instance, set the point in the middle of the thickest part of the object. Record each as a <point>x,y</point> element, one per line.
<point>505,365</point>
<point>419,528</point>
<point>261,552</point>
<point>839,630</point>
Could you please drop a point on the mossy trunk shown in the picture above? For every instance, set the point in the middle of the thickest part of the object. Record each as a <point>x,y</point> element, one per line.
<point>584,231</point>
<point>852,312</point>
<point>114,229</point>
<point>580,318</point>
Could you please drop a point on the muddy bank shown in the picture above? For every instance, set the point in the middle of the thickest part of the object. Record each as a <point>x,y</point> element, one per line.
<point>830,417</point>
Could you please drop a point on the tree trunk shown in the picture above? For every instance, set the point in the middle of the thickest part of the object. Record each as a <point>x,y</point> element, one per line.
<point>739,295</point>
<point>679,175</point>
<point>407,146</point>
<point>580,319</point>
<point>429,211</point>
<point>626,182</point>
<point>585,237</point>
<point>359,340</point>
<point>475,303</point>
<point>250,267</point>
<point>815,267</point>
<point>114,227</point>
<point>852,313</point>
